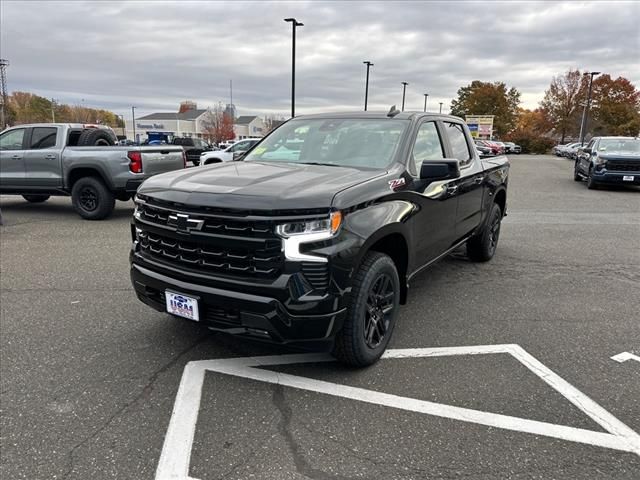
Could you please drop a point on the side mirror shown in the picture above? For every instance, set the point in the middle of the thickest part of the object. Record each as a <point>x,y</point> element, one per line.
<point>237,156</point>
<point>441,170</point>
<point>587,150</point>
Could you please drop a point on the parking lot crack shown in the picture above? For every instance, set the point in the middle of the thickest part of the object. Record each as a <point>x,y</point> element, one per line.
<point>145,392</point>
<point>297,451</point>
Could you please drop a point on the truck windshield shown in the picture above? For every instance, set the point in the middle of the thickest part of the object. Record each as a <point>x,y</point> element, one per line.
<point>620,145</point>
<point>368,143</point>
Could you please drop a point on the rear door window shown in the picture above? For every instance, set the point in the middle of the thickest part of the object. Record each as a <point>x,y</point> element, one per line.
<point>43,137</point>
<point>458,142</point>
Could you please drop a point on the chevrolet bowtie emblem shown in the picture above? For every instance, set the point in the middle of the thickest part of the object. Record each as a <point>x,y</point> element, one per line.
<point>183,223</point>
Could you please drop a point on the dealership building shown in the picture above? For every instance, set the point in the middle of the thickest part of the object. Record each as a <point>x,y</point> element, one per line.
<point>188,123</point>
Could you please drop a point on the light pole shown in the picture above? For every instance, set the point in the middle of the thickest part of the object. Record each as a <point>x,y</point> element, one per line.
<point>587,106</point>
<point>404,90</point>
<point>366,85</point>
<point>133,116</point>
<point>294,24</point>
<point>440,107</point>
<point>426,95</point>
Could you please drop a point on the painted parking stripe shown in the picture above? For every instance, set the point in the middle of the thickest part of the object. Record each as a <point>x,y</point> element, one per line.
<point>176,452</point>
<point>624,356</point>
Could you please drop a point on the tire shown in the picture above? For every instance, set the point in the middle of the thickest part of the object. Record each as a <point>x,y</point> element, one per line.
<point>591,183</point>
<point>92,199</point>
<point>482,247</point>
<point>371,316</point>
<point>36,198</point>
<point>576,175</point>
<point>95,137</point>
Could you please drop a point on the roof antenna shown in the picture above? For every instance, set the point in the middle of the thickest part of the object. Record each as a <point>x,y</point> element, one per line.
<point>393,111</point>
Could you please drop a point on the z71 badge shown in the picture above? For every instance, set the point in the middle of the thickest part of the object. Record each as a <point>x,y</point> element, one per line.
<point>396,184</point>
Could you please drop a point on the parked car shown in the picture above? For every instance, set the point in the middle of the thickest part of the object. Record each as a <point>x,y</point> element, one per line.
<point>512,148</point>
<point>557,150</point>
<point>609,160</point>
<point>193,147</point>
<point>571,152</point>
<point>318,242</point>
<point>495,148</point>
<point>226,155</point>
<point>566,149</point>
<point>483,150</point>
<point>44,159</point>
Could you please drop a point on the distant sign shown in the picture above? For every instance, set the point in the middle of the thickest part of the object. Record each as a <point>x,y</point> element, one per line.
<point>158,126</point>
<point>480,126</point>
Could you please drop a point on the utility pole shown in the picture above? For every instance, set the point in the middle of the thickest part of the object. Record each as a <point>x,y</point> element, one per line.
<point>426,95</point>
<point>294,24</point>
<point>587,106</point>
<point>366,85</point>
<point>133,115</point>
<point>404,90</point>
<point>3,92</point>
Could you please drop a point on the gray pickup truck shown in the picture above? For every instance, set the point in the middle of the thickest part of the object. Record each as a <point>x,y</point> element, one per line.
<point>40,160</point>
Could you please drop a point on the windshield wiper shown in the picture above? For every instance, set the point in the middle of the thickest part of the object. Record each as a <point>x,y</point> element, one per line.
<point>319,163</point>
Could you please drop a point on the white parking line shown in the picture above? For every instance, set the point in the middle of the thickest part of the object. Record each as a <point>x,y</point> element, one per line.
<point>624,356</point>
<point>176,452</point>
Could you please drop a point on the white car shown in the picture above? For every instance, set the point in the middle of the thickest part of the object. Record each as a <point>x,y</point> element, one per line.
<point>226,155</point>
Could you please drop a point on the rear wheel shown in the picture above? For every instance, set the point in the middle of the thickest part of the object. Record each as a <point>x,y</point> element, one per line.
<point>36,198</point>
<point>482,247</point>
<point>92,199</point>
<point>375,297</point>
<point>591,183</point>
<point>576,173</point>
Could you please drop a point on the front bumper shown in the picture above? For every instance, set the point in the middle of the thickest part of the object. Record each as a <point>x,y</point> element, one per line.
<point>236,312</point>
<point>616,177</point>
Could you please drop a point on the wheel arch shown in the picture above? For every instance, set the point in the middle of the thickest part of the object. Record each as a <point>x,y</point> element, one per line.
<point>85,171</point>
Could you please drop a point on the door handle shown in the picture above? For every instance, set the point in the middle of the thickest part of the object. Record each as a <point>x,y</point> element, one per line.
<point>16,157</point>
<point>50,157</point>
<point>478,180</point>
<point>452,189</point>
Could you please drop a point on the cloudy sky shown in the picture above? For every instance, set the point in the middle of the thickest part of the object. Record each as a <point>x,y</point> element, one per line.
<point>153,54</point>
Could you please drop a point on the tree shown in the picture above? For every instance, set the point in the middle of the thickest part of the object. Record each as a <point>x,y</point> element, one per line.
<point>531,131</point>
<point>485,98</point>
<point>616,107</point>
<point>564,100</point>
<point>217,125</point>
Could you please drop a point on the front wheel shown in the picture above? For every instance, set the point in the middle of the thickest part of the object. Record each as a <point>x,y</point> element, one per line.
<point>36,198</point>
<point>591,183</point>
<point>92,199</point>
<point>375,297</point>
<point>482,246</point>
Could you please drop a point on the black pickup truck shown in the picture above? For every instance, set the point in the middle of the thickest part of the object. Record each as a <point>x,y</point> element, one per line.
<point>317,232</point>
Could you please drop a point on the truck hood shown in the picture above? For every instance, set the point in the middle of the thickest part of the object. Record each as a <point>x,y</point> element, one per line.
<point>256,185</point>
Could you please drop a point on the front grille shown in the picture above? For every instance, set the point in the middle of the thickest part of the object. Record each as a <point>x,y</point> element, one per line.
<point>257,259</point>
<point>623,166</point>
<point>317,274</point>
<point>230,316</point>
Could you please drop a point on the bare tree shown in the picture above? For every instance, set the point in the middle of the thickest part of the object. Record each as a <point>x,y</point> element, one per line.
<point>271,121</point>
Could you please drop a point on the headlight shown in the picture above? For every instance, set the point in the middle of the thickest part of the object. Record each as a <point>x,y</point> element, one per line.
<point>326,225</point>
<point>296,233</point>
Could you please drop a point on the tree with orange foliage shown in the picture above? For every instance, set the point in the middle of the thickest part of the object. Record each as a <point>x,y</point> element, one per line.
<point>563,101</point>
<point>616,107</point>
<point>217,125</point>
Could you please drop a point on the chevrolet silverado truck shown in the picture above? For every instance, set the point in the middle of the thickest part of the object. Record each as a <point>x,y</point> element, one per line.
<point>609,160</point>
<point>316,234</point>
<point>40,160</point>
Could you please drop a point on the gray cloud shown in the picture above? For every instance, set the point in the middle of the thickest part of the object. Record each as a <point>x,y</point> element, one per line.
<point>155,54</point>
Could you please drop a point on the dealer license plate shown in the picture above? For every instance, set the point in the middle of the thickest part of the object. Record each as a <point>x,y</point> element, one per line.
<point>627,178</point>
<point>182,305</point>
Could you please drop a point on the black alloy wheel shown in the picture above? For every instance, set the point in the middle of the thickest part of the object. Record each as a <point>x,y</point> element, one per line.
<point>88,198</point>
<point>380,305</point>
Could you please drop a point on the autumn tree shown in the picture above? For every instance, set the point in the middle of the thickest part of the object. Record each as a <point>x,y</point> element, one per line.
<point>615,107</point>
<point>485,98</point>
<point>532,131</point>
<point>564,100</point>
<point>217,125</point>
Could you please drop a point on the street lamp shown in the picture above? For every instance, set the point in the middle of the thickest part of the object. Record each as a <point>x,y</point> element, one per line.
<point>133,115</point>
<point>426,95</point>
<point>404,90</point>
<point>440,107</point>
<point>587,106</point>
<point>366,85</point>
<point>294,24</point>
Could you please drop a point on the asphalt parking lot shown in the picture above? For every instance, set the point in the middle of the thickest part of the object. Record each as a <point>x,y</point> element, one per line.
<point>89,376</point>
